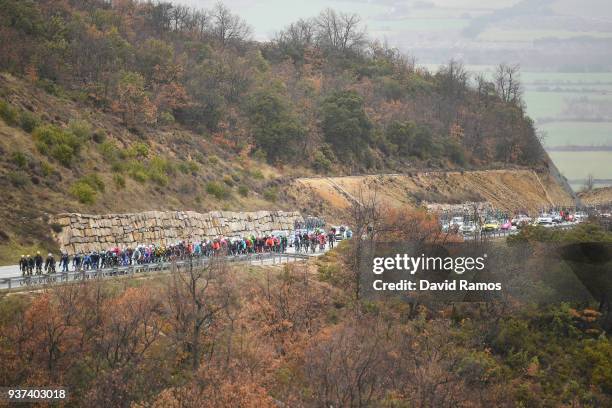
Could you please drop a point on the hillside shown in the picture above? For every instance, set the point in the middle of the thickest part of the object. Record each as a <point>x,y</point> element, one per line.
<point>509,190</point>
<point>597,196</point>
<point>128,106</point>
<point>115,171</point>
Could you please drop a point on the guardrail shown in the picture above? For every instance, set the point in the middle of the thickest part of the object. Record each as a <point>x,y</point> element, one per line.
<point>17,282</point>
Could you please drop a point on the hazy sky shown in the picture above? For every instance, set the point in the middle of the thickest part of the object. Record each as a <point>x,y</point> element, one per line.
<point>431,29</point>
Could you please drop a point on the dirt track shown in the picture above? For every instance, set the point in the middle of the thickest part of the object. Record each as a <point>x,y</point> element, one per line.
<point>510,190</point>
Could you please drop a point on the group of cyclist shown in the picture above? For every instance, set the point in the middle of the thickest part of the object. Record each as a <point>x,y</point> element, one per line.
<point>310,242</point>
<point>303,241</point>
<point>144,254</point>
<point>29,265</point>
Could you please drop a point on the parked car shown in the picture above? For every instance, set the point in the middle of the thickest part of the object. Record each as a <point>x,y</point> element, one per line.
<point>468,228</point>
<point>507,225</point>
<point>580,216</point>
<point>491,225</point>
<point>521,220</point>
<point>557,218</point>
<point>457,222</point>
<point>544,219</point>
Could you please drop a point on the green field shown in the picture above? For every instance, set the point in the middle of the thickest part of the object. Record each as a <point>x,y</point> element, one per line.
<point>565,133</point>
<point>578,165</point>
<point>542,105</point>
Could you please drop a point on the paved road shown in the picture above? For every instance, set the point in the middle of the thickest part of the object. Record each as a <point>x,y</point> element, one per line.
<point>9,271</point>
<point>10,277</point>
<point>12,271</point>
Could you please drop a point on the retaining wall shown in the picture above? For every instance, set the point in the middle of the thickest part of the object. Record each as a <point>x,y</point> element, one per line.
<point>86,232</point>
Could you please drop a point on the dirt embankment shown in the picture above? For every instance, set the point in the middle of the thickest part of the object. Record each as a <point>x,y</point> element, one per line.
<point>597,196</point>
<point>508,190</point>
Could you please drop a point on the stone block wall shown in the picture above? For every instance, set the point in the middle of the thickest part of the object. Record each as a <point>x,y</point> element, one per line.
<point>85,232</point>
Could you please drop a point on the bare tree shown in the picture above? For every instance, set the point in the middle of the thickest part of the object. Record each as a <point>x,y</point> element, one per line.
<point>454,79</point>
<point>200,23</point>
<point>589,183</point>
<point>378,50</point>
<point>180,16</point>
<point>161,16</point>
<point>364,215</point>
<point>339,31</point>
<point>227,27</point>
<point>301,33</point>
<point>508,83</point>
<point>195,299</point>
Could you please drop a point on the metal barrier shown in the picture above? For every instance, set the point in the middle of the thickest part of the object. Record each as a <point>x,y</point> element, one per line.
<point>139,269</point>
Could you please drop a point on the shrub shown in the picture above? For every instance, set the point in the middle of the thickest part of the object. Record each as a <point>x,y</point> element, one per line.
<point>257,174</point>
<point>188,166</point>
<point>213,160</point>
<point>94,181</point>
<point>47,169</point>
<point>119,180</point>
<point>199,157</point>
<point>118,167</point>
<point>166,118</point>
<point>64,154</point>
<point>158,170</point>
<point>28,121</point>
<point>243,190</point>
<point>259,155</point>
<point>81,129</point>
<point>86,188</point>
<point>321,163</point>
<point>137,171</point>
<point>57,143</point>
<point>217,190</point>
<point>19,159</point>
<point>158,178</point>
<point>18,178</point>
<point>109,151</point>
<point>139,150</point>
<point>227,179</point>
<point>193,166</point>
<point>98,136</point>
<point>8,113</point>
<point>83,192</point>
<point>50,87</point>
<point>271,194</point>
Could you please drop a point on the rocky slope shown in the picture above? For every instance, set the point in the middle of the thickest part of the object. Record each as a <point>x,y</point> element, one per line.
<point>510,190</point>
<point>597,196</point>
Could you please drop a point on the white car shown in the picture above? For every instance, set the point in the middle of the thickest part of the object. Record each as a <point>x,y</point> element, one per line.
<point>457,222</point>
<point>468,228</point>
<point>580,216</point>
<point>544,219</point>
<point>557,218</point>
<point>521,220</point>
